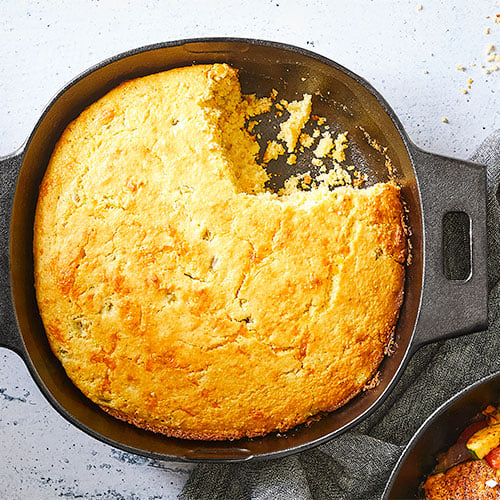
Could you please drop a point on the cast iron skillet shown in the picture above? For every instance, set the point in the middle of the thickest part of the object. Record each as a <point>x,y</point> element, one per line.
<point>434,307</point>
<point>437,434</point>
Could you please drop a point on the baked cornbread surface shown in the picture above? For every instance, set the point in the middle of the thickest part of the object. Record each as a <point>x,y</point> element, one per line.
<point>183,297</point>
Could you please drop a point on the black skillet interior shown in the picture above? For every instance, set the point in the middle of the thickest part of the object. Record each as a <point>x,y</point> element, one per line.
<point>436,435</point>
<point>339,96</point>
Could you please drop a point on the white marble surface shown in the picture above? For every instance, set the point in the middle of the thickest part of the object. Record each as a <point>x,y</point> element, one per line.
<point>389,42</point>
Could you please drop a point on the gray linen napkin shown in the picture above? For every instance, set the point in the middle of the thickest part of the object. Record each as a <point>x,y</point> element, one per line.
<point>357,464</point>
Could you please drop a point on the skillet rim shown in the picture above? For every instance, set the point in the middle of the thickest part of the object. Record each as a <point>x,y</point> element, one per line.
<point>410,348</point>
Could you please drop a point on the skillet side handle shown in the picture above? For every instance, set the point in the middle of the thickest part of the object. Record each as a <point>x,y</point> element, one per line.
<point>9,333</point>
<point>451,307</point>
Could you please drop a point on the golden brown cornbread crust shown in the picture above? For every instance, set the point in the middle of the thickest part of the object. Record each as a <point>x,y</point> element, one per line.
<point>182,297</point>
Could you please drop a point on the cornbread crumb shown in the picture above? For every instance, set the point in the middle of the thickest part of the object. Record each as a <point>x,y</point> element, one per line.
<point>273,151</point>
<point>316,133</point>
<point>337,176</point>
<point>338,153</point>
<point>307,178</point>
<point>292,127</point>
<point>426,72</point>
<point>296,183</point>
<point>325,181</point>
<point>359,179</point>
<point>444,119</point>
<point>292,159</point>
<point>489,48</point>
<point>464,91</point>
<point>306,140</point>
<point>321,120</point>
<point>459,67</point>
<point>374,144</point>
<point>325,145</point>
<point>420,6</point>
<point>290,186</point>
<point>487,31</point>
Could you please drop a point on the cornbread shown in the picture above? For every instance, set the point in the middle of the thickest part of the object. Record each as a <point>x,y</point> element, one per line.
<point>328,147</point>
<point>273,151</point>
<point>306,140</point>
<point>180,294</point>
<point>291,128</point>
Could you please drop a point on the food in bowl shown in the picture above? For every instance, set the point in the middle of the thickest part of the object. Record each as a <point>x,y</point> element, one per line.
<point>471,467</point>
<point>183,296</point>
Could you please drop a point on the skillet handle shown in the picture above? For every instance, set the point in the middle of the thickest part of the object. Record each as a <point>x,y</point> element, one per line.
<point>9,332</point>
<point>451,308</point>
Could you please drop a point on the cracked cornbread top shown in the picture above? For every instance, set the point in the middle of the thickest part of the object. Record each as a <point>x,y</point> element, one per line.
<point>183,297</point>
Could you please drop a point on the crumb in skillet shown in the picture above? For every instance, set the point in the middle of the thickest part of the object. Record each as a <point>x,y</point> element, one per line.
<point>273,151</point>
<point>306,140</point>
<point>324,146</point>
<point>292,127</point>
<point>320,119</point>
<point>338,153</point>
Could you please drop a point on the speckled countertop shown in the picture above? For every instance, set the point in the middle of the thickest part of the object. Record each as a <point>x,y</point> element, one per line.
<point>409,55</point>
